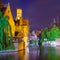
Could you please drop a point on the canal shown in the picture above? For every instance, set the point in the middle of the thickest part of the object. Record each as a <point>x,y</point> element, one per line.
<point>33,53</point>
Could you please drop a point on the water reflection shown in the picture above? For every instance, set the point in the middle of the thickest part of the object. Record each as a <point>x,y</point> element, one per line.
<point>23,55</point>
<point>58,50</point>
<point>7,56</point>
<point>20,55</point>
<point>33,53</point>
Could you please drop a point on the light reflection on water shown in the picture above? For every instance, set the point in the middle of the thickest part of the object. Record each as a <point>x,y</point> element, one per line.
<point>20,55</point>
<point>33,53</point>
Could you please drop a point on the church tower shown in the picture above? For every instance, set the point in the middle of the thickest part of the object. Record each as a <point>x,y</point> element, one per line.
<point>18,22</point>
<point>19,17</point>
<point>19,13</point>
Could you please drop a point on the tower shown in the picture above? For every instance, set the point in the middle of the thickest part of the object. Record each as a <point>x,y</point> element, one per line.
<point>18,22</point>
<point>19,17</point>
<point>19,14</point>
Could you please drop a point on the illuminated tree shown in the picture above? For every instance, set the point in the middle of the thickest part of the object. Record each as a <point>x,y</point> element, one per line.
<point>5,28</point>
<point>50,35</point>
<point>44,34</point>
<point>54,33</point>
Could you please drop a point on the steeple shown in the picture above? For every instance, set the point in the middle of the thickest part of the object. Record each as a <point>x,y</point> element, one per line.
<point>19,16</point>
<point>54,20</point>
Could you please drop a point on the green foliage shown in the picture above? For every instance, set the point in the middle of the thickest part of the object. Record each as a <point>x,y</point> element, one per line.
<point>0,46</point>
<point>5,28</point>
<point>0,14</point>
<point>54,32</point>
<point>44,34</point>
<point>51,35</point>
<point>10,48</point>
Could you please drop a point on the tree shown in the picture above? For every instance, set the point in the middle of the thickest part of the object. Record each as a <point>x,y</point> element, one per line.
<point>5,28</point>
<point>44,34</point>
<point>54,32</point>
<point>51,34</point>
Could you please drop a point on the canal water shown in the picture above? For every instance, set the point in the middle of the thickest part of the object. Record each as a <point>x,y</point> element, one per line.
<point>33,53</point>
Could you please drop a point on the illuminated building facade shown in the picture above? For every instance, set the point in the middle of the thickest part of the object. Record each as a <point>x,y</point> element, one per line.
<point>6,10</point>
<point>19,27</point>
<point>10,17</point>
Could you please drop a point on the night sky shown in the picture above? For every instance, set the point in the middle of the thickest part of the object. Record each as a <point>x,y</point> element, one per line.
<point>40,13</point>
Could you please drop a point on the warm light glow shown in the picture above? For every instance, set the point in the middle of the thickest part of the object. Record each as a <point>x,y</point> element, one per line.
<point>18,18</point>
<point>19,13</point>
<point>11,20</point>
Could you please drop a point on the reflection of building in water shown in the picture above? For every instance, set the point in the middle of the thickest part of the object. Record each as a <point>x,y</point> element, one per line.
<point>23,55</point>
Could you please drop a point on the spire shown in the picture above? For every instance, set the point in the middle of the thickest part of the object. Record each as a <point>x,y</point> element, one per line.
<point>54,20</point>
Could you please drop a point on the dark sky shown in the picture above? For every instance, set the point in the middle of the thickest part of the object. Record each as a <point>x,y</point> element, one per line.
<point>40,13</point>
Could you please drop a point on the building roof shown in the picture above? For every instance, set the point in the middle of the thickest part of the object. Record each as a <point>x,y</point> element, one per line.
<point>3,7</point>
<point>25,22</point>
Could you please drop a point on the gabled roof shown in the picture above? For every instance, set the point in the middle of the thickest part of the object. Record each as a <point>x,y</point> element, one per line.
<point>3,8</point>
